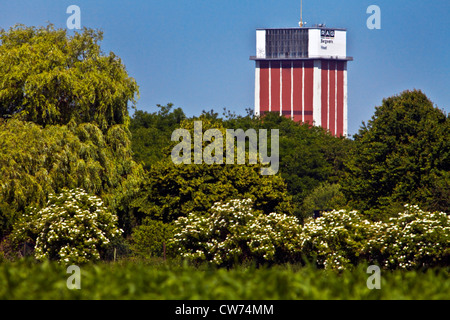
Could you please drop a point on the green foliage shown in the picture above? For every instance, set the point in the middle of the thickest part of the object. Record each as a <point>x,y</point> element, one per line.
<point>309,156</point>
<point>35,162</point>
<point>413,239</point>
<point>171,191</point>
<point>323,198</point>
<point>148,240</point>
<point>8,250</point>
<point>139,281</point>
<point>51,78</point>
<point>73,228</point>
<point>401,156</point>
<point>151,133</point>
<point>234,233</point>
<point>336,240</point>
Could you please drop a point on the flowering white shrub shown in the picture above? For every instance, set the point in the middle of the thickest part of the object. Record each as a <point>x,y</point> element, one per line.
<point>336,240</point>
<point>73,228</point>
<point>413,239</point>
<point>233,232</point>
<point>341,239</point>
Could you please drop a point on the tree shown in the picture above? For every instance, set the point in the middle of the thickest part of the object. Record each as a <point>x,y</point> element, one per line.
<point>171,191</point>
<point>51,78</point>
<point>401,156</point>
<point>325,197</point>
<point>309,155</point>
<point>151,133</point>
<point>151,239</point>
<point>36,162</point>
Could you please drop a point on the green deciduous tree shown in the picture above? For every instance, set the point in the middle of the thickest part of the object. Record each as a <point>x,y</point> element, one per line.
<point>325,197</point>
<point>309,155</point>
<point>151,239</point>
<point>51,78</point>
<point>36,161</point>
<point>151,133</point>
<point>401,156</point>
<point>171,191</point>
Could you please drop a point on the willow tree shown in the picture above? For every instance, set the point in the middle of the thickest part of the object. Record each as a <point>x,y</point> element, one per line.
<point>63,120</point>
<point>36,162</point>
<point>49,77</point>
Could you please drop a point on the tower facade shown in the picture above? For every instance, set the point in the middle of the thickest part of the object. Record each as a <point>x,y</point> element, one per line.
<point>302,74</point>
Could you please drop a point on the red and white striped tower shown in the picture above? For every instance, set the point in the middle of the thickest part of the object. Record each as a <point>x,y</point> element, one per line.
<point>302,73</point>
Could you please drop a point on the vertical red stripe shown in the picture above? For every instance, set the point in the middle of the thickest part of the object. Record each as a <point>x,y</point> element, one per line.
<point>298,90</point>
<point>309,91</point>
<point>324,94</point>
<point>275,72</point>
<point>332,97</point>
<point>264,86</point>
<point>286,78</point>
<point>340,98</point>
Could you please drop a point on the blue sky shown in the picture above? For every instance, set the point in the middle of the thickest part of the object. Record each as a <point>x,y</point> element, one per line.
<point>195,53</point>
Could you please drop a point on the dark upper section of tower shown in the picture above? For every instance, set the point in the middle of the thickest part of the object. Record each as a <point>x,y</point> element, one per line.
<point>301,43</point>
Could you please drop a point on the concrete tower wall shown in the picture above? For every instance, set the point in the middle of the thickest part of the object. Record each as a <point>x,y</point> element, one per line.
<point>301,73</point>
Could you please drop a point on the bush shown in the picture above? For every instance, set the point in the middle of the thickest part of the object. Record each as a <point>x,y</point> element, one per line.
<point>73,228</point>
<point>148,239</point>
<point>412,240</point>
<point>336,240</point>
<point>24,280</point>
<point>233,233</point>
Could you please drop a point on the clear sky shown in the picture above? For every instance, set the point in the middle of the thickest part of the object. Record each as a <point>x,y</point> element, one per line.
<point>195,53</point>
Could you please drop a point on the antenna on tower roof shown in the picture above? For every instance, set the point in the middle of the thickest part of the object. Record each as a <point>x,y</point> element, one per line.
<point>301,23</point>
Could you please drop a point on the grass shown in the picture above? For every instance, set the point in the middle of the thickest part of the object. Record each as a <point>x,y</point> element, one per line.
<point>160,281</point>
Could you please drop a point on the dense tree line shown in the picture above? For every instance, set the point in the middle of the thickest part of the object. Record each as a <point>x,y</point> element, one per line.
<point>65,124</point>
<point>401,156</point>
<point>309,156</point>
